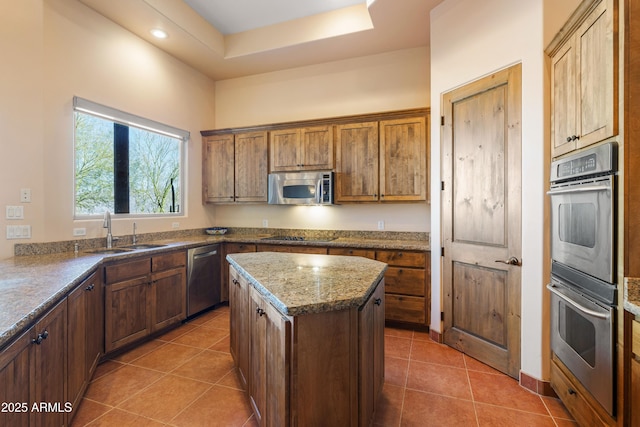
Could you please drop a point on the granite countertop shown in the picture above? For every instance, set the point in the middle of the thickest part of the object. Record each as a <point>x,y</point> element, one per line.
<point>299,284</point>
<point>632,295</point>
<point>32,283</point>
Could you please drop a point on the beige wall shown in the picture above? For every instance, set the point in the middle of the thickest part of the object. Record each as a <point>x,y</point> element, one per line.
<point>391,81</point>
<point>497,34</point>
<point>53,50</point>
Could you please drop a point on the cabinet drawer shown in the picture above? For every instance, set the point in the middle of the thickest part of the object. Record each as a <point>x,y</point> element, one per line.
<point>404,308</point>
<point>353,252</point>
<point>168,261</point>
<point>127,270</point>
<point>235,248</point>
<point>408,281</point>
<point>292,249</point>
<point>402,258</point>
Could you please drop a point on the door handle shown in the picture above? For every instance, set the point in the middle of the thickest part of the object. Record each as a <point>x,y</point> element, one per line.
<point>511,261</point>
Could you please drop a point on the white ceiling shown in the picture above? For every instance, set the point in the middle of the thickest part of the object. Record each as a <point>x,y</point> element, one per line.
<point>232,38</point>
<point>236,16</point>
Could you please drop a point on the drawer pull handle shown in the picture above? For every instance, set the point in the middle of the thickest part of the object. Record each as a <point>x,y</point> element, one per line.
<point>571,391</point>
<point>90,287</point>
<point>377,301</point>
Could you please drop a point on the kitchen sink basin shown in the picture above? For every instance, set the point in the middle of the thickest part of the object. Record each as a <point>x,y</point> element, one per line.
<point>144,246</point>
<point>108,251</point>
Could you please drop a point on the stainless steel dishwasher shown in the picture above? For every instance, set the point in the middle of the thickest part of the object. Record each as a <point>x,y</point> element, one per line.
<point>203,278</point>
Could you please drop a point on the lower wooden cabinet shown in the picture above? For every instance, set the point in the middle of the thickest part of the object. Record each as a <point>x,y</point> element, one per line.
<point>142,296</point>
<point>85,336</point>
<point>232,248</point>
<point>632,369</point>
<point>313,369</point>
<point>16,377</point>
<point>265,247</point>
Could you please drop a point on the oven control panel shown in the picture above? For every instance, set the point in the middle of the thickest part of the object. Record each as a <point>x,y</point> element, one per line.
<point>600,160</point>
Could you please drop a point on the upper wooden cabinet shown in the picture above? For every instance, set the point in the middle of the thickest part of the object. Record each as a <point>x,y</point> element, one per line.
<point>382,161</point>
<point>306,148</point>
<point>584,70</point>
<point>235,168</point>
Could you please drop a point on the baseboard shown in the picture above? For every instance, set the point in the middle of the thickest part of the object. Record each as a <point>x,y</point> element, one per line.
<point>537,386</point>
<point>436,336</point>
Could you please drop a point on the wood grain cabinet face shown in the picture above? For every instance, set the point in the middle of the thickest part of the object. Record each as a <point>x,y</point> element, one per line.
<point>306,148</point>
<point>239,318</point>
<point>16,379</point>
<point>632,353</point>
<point>382,161</point>
<point>235,168</point>
<point>584,94</point>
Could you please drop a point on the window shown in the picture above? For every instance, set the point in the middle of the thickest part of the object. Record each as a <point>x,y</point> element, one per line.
<point>126,164</point>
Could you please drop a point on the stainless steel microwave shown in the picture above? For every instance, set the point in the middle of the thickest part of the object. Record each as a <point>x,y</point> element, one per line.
<point>301,188</point>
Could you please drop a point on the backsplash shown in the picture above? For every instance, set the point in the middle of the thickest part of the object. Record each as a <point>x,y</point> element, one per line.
<point>23,249</point>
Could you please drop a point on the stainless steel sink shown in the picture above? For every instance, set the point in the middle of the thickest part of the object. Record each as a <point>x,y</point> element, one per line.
<point>144,246</point>
<point>108,251</point>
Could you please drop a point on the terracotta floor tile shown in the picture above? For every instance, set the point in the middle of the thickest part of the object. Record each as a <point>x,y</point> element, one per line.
<point>106,367</point>
<point>209,366</point>
<point>565,423</point>
<point>496,416</point>
<point>88,411</point>
<point>422,336</point>
<point>475,365</point>
<point>167,357</point>
<point>201,337</point>
<point>121,384</point>
<point>232,380</point>
<point>432,352</point>
<point>397,347</point>
<point>119,418</point>
<point>399,333</point>
<point>439,379</point>
<point>139,351</point>
<point>389,406</point>
<point>220,406</point>
<point>504,391</point>
<point>556,408</point>
<point>204,317</point>
<point>426,410</point>
<point>177,332</point>
<point>223,345</point>
<point>219,322</point>
<point>395,371</point>
<point>165,398</point>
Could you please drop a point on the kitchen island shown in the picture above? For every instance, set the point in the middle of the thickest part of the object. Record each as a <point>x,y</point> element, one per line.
<point>307,336</point>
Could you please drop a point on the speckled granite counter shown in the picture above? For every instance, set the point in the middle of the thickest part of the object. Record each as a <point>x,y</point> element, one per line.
<point>632,295</point>
<point>44,273</point>
<point>300,283</point>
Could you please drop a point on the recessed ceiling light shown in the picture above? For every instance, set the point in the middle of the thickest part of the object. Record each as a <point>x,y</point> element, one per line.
<point>159,34</point>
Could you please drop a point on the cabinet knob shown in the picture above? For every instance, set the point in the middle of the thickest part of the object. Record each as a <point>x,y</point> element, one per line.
<point>571,391</point>
<point>90,287</point>
<point>260,311</point>
<point>41,337</point>
<point>235,282</point>
<point>568,139</point>
<point>377,301</point>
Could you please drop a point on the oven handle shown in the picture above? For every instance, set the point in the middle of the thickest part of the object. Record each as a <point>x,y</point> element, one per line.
<point>577,305</point>
<point>579,189</point>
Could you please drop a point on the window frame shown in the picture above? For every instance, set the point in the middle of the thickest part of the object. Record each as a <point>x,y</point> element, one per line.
<point>81,105</point>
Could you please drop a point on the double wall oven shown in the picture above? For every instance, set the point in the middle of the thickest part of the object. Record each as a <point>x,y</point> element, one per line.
<point>583,274</point>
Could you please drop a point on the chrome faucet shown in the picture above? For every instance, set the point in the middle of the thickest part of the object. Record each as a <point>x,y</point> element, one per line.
<point>107,224</point>
<point>135,238</point>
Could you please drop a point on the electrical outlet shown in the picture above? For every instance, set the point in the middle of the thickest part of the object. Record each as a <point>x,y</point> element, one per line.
<point>25,195</point>
<point>265,223</point>
<point>381,225</point>
<point>79,231</point>
<point>175,225</point>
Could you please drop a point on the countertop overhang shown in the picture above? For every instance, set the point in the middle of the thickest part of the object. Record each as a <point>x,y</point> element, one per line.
<point>299,284</point>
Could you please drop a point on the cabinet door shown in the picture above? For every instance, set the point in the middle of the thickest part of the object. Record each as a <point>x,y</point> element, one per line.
<point>126,312</point>
<point>16,378</point>
<point>50,355</point>
<point>269,362</point>
<point>285,150</point>
<point>403,160</point>
<point>371,353</point>
<point>357,162</point>
<point>218,169</point>
<point>563,101</point>
<point>251,167</point>
<point>77,358</point>
<point>232,248</point>
<point>317,148</point>
<point>596,70</point>
<point>297,249</point>
<point>168,298</point>
<point>239,323</point>
<point>94,288</point>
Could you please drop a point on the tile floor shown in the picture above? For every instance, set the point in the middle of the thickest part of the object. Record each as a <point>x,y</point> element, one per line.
<point>186,378</point>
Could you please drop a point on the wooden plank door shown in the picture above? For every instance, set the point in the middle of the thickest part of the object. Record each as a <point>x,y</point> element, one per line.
<point>481,219</point>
